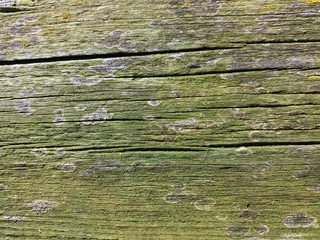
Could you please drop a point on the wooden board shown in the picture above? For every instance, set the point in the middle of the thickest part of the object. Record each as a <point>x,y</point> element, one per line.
<point>160,120</point>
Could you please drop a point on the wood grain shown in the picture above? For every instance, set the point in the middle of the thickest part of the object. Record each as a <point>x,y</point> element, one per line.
<point>160,120</point>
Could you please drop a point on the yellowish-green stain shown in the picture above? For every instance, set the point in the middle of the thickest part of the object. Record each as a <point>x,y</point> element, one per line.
<point>270,7</point>
<point>311,2</point>
<point>312,76</point>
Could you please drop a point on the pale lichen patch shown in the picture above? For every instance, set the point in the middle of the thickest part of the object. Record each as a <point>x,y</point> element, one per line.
<point>175,94</point>
<point>67,167</point>
<point>24,107</point>
<point>81,107</point>
<point>99,116</point>
<point>299,219</point>
<point>203,8</point>
<point>290,237</point>
<point>20,30</point>
<point>59,112</point>
<point>175,57</point>
<point>14,218</point>
<point>59,152</point>
<point>237,113</point>
<point>149,118</point>
<point>81,81</point>
<point>59,120</point>
<point>42,206</point>
<point>262,135</point>
<point>178,126</point>
<point>237,231</point>
<point>179,186</point>
<point>249,215</point>
<point>40,152</point>
<point>110,66</point>
<point>102,166</point>
<point>261,229</point>
<point>314,88</point>
<point>173,198</point>
<point>7,3</point>
<point>243,151</point>
<point>117,39</point>
<point>27,91</point>
<point>205,204</point>
<point>154,102</point>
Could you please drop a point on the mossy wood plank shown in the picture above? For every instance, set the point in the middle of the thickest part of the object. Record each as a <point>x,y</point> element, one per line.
<point>44,29</point>
<point>159,119</point>
<point>124,148</point>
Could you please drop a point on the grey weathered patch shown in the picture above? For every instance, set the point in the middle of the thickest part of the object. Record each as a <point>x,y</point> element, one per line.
<point>40,152</point>
<point>102,166</point>
<point>67,167</point>
<point>299,219</point>
<point>237,231</point>
<point>99,116</point>
<point>205,204</point>
<point>3,187</point>
<point>27,92</point>
<point>154,102</point>
<point>42,206</point>
<point>24,107</point>
<point>174,198</point>
<point>261,229</point>
<point>59,120</point>
<point>81,81</point>
<point>250,215</point>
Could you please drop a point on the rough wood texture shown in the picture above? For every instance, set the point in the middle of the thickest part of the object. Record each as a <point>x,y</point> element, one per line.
<point>160,119</point>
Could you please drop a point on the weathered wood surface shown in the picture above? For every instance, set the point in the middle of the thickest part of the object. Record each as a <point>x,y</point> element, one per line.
<point>160,120</point>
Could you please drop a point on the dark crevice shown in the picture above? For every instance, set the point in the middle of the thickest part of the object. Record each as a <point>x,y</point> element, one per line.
<point>262,144</point>
<point>107,55</point>
<point>279,41</point>
<point>11,9</point>
<point>126,148</point>
<point>197,149</point>
<point>243,70</point>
